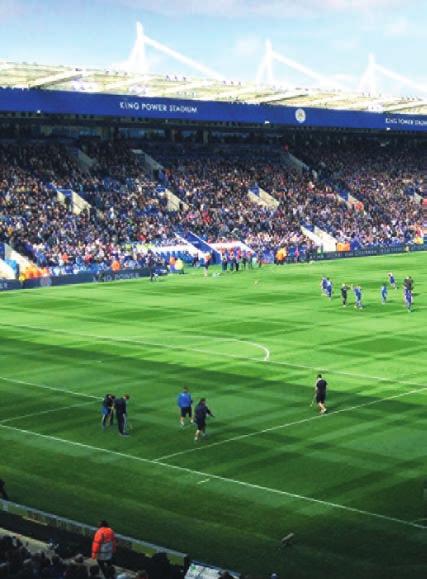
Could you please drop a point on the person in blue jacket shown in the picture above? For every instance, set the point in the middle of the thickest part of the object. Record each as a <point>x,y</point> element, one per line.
<point>185,403</point>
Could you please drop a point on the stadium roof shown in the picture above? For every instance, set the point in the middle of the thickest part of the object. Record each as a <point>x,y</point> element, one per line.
<point>67,78</point>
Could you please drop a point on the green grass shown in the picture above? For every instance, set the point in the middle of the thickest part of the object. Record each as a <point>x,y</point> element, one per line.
<point>349,484</point>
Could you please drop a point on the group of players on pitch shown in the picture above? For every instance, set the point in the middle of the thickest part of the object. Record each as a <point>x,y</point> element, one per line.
<point>326,287</point>
<point>117,407</point>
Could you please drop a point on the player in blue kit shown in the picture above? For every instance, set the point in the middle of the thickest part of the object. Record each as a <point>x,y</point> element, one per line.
<point>185,403</point>
<point>329,288</point>
<point>392,280</point>
<point>323,285</point>
<point>357,290</point>
<point>384,293</point>
<point>408,299</point>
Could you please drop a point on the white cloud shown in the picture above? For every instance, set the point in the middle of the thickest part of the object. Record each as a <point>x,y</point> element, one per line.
<point>345,43</point>
<point>266,8</point>
<point>398,28</point>
<point>247,46</point>
<point>10,9</point>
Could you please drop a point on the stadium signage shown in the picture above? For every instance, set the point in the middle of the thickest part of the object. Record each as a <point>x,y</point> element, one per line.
<point>157,107</point>
<point>9,284</point>
<point>110,276</point>
<point>408,122</point>
<point>104,105</point>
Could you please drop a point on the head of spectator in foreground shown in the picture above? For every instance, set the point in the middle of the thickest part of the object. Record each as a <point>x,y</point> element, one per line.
<point>103,523</point>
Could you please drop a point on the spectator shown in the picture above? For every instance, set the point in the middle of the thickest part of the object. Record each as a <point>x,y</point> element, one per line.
<point>104,547</point>
<point>3,493</point>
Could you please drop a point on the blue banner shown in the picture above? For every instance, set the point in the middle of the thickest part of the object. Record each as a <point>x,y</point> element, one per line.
<point>369,251</point>
<point>58,280</point>
<point>9,284</point>
<point>86,277</point>
<point>63,102</point>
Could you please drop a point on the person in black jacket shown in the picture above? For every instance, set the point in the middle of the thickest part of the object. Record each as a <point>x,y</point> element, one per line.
<point>3,493</point>
<point>200,413</point>
<point>320,391</point>
<point>344,294</point>
<point>120,406</point>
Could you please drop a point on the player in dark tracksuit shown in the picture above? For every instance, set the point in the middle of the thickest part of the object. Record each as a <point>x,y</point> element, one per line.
<point>151,263</point>
<point>344,294</point>
<point>224,262</point>
<point>200,413</point>
<point>320,390</point>
<point>107,411</point>
<point>120,406</point>
<point>3,493</point>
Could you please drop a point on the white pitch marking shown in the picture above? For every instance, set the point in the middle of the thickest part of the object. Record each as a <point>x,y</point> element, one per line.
<point>260,346</point>
<point>288,424</point>
<point>213,353</point>
<point>201,482</point>
<point>219,478</point>
<point>45,412</point>
<point>46,387</point>
<point>219,339</point>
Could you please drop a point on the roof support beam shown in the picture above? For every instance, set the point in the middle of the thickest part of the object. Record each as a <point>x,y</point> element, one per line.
<point>405,106</point>
<point>278,97</point>
<point>46,81</point>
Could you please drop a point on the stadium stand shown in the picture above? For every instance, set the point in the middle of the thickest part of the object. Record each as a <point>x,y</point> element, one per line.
<point>360,197</point>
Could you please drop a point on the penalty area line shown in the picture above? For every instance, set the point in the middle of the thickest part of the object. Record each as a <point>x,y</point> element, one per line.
<point>231,481</point>
<point>41,412</point>
<point>46,387</point>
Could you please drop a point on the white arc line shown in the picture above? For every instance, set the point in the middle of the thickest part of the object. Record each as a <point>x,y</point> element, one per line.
<point>220,478</point>
<point>211,353</point>
<point>288,424</point>
<point>266,351</point>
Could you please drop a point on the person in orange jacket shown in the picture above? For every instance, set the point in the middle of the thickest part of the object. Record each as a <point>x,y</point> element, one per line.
<point>104,546</point>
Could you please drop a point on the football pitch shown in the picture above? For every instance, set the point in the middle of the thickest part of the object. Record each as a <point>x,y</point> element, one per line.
<point>349,484</point>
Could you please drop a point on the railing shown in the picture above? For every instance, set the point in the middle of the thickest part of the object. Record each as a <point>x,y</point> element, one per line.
<point>44,518</point>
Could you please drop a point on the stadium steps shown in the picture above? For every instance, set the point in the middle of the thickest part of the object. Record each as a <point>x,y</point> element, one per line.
<point>174,202</point>
<point>83,160</point>
<point>329,242</point>
<point>76,201</point>
<point>259,195</point>
<point>13,255</point>
<point>308,231</point>
<point>6,271</point>
<point>154,169</point>
<point>295,163</point>
<point>199,244</point>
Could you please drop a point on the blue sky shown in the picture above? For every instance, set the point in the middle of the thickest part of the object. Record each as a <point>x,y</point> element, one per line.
<point>334,37</point>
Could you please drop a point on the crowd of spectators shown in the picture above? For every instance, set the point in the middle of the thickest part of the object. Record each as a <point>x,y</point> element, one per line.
<point>127,207</point>
<point>19,560</point>
<point>214,182</point>
<point>385,177</point>
<point>124,208</point>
